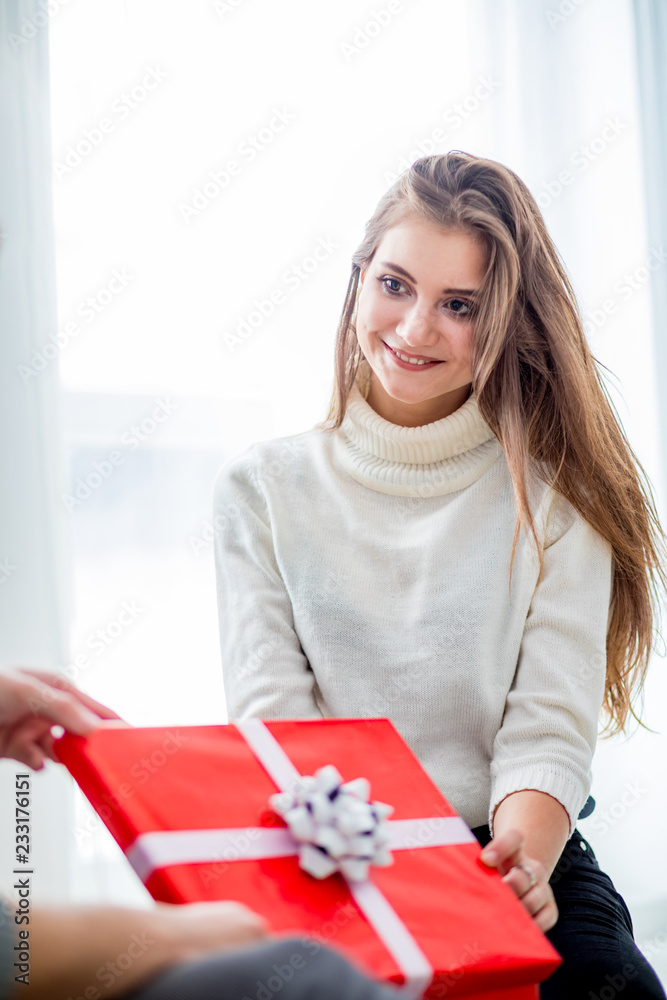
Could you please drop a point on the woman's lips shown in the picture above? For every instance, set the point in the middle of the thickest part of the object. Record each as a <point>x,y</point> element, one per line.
<point>407,365</point>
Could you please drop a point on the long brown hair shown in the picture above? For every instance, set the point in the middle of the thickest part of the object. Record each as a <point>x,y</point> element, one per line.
<point>537,386</point>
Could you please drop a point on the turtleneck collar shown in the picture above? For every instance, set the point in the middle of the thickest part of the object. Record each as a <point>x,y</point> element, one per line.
<point>431,460</point>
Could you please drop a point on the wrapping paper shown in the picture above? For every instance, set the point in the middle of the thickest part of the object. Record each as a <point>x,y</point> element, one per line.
<point>474,932</point>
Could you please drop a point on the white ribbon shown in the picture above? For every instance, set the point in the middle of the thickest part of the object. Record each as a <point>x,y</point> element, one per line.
<point>163,848</point>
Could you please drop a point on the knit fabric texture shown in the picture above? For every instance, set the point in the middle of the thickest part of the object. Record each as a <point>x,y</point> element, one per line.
<point>364,573</point>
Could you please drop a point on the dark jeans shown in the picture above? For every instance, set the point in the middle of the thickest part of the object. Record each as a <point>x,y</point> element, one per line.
<point>285,969</point>
<point>593,934</point>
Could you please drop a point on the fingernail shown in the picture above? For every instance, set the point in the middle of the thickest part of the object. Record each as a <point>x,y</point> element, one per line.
<point>489,857</point>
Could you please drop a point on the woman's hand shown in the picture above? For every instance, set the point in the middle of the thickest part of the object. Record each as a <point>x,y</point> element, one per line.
<point>31,702</point>
<point>524,875</point>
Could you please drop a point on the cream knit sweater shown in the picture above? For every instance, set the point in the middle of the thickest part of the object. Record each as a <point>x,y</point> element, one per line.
<point>365,573</point>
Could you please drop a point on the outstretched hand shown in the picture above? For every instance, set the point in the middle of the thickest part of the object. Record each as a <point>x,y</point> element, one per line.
<point>31,702</point>
<point>525,876</point>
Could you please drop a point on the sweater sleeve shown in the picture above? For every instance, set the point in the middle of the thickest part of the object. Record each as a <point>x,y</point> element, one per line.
<point>549,728</point>
<point>265,671</point>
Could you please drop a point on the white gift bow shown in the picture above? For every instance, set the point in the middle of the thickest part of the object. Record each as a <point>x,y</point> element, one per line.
<point>163,848</point>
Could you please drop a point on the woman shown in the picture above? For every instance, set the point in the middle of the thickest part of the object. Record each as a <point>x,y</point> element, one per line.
<point>464,545</point>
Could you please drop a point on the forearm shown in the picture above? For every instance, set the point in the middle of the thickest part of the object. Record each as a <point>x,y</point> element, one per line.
<point>107,950</point>
<point>542,820</point>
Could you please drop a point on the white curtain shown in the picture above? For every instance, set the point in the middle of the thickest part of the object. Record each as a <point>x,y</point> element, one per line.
<point>650,20</point>
<point>35,583</point>
<point>567,118</point>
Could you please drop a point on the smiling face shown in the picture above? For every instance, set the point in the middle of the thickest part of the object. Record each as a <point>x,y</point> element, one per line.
<point>417,299</point>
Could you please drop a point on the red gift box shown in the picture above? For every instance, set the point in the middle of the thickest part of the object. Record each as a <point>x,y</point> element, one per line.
<point>464,924</point>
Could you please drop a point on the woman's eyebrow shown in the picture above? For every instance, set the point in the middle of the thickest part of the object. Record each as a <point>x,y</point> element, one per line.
<point>447,291</point>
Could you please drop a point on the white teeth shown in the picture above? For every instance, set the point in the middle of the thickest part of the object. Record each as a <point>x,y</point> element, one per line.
<point>412,361</point>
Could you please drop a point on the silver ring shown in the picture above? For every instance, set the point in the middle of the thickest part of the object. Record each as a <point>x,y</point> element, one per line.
<point>529,872</point>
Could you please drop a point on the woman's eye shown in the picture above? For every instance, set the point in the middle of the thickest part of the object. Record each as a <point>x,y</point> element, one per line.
<point>391,291</point>
<point>467,307</point>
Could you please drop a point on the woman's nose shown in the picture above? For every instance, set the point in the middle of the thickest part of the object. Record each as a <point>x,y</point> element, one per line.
<point>418,326</point>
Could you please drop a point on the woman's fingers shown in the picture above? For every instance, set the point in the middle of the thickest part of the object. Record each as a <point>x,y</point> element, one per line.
<point>547,917</point>
<point>504,851</point>
<point>541,905</point>
<point>524,875</point>
<point>538,900</point>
